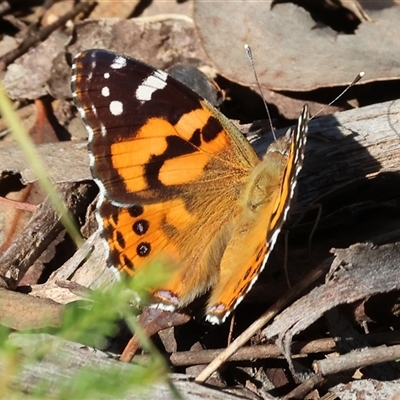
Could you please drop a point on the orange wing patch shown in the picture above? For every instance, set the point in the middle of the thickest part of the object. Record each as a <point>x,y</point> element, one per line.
<point>161,149</point>
<point>138,234</point>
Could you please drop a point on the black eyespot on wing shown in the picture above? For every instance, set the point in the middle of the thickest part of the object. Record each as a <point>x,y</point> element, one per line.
<point>143,249</point>
<point>135,211</point>
<point>140,227</point>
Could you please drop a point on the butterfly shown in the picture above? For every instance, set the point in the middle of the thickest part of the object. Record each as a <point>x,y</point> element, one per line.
<point>178,181</point>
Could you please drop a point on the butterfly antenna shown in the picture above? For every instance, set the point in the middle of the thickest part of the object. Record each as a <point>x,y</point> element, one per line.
<point>356,79</point>
<point>251,59</point>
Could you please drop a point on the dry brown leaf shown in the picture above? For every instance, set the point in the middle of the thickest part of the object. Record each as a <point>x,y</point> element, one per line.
<point>27,77</point>
<point>160,42</point>
<point>292,52</point>
<point>114,9</point>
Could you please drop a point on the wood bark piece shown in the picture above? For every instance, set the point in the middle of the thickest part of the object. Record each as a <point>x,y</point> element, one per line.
<point>42,229</point>
<point>87,268</point>
<point>19,311</point>
<point>64,161</point>
<point>357,359</point>
<point>347,146</point>
<point>64,359</point>
<point>360,271</point>
<point>370,389</point>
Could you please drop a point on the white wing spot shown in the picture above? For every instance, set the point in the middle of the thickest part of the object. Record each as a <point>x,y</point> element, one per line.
<point>105,91</point>
<point>103,130</point>
<point>118,63</point>
<point>89,131</point>
<point>165,307</point>
<point>155,81</point>
<point>116,108</point>
<point>82,112</point>
<point>91,159</point>
<point>93,108</point>
<point>106,75</point>
<point>160,74</point>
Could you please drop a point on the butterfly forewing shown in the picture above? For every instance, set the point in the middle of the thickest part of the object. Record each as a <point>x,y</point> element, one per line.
<point>169,168</point>
<point>150,135</point>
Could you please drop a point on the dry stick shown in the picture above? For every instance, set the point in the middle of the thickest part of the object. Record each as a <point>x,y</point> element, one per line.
<point>290,296</point>
<point>231,325</point>
<point>190,358</point>
<point>43,34</point>
<point>152,320</point>
<point>33,26</point>
<point>75,288</point>
<point>15,218</point>
<point>305,388</point>
<point>300,349</point>
<point>357,359</point>
<point>18,205</point>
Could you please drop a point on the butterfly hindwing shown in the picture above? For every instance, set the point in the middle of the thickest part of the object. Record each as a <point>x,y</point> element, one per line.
<point>265,206</point>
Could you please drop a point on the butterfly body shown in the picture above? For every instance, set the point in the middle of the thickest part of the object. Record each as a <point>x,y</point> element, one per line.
<point>179,182</point>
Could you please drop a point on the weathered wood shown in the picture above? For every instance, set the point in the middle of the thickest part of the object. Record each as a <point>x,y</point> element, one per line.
<point>64,161</point>
<point>19,311</point>
<point>347,146</point>
<point>65,359</point>
<point>41,230</point>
